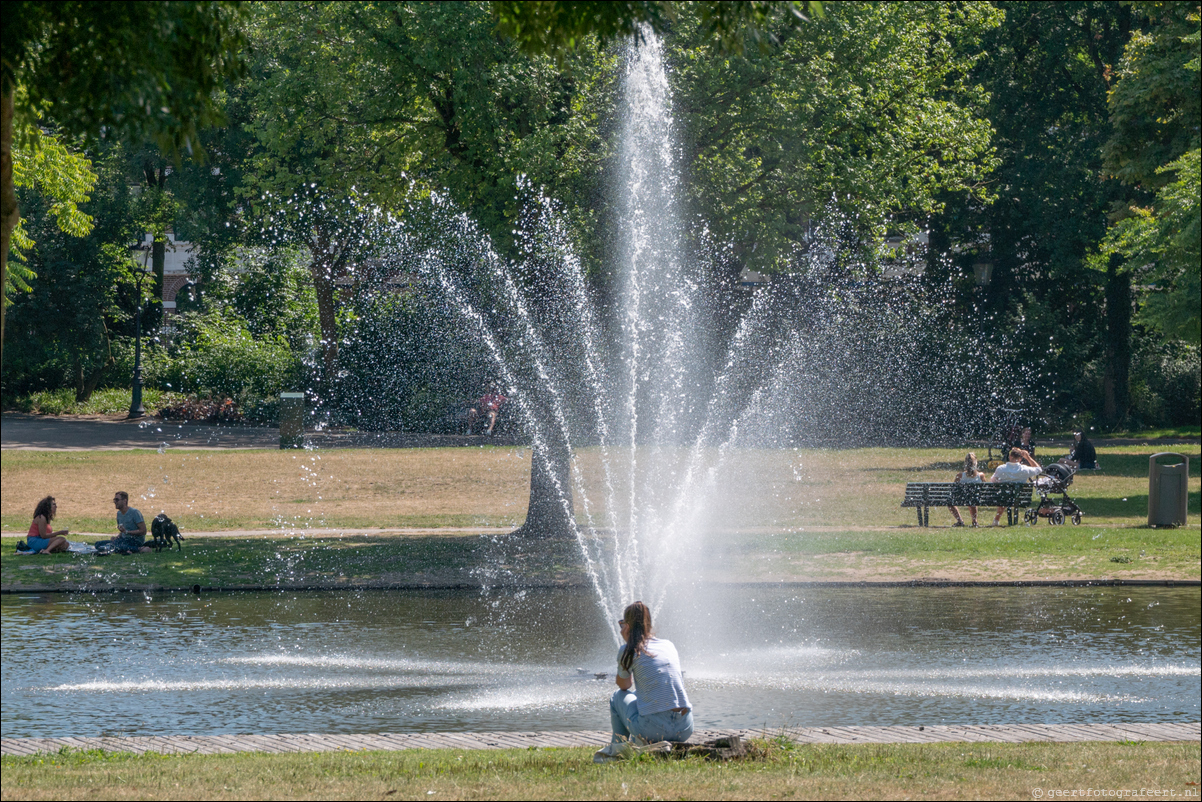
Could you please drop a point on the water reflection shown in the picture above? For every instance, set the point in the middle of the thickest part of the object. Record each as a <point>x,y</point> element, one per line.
<point>421,661</point>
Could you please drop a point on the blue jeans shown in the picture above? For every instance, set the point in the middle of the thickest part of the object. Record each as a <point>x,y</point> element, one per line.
<point>626,722</point>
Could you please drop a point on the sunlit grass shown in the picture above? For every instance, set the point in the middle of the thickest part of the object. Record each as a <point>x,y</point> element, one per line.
<point>109,401</point>
<point>779,489</point>
<point>867,771</point>
<point>786,515</point>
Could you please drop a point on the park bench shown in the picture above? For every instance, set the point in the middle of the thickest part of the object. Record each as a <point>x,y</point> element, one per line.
<point>924,495</point>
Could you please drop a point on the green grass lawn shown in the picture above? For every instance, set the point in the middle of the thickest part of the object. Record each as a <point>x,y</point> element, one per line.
<point>295,561</point>
<point>784,515</point>
<point>778,771</point>
<point>440,487</point>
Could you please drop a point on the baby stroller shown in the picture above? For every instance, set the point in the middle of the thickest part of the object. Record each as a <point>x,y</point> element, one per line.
<point>1055,478</point>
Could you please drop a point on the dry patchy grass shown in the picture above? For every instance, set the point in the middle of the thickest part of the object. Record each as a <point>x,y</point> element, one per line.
<point>775,489</point>
<point>215,490</point>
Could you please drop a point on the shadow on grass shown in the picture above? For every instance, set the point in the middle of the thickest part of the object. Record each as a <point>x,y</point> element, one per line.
<point>1132,464</point>
<point>463,561</point>
<point>1128,506</point>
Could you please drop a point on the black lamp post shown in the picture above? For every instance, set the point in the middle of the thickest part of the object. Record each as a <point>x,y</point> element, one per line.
<point>136,410</point>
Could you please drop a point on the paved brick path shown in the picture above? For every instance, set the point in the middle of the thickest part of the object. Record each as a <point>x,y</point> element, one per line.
<point>299,742</point>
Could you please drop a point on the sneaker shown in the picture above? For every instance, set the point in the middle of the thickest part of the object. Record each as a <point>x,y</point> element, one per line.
<point>625,750</point>
<point>613,751</point>
<point>958,523</point>
<point>974,524</point>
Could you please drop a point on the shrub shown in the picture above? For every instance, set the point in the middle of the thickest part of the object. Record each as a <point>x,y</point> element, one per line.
<point>216,357</point>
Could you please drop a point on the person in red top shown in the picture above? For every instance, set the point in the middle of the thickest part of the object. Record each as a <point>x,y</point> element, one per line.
<point>41,539</point>
<point>490,406</point>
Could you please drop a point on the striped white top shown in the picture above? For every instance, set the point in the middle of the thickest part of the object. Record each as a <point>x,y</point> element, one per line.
<point>658,683</point>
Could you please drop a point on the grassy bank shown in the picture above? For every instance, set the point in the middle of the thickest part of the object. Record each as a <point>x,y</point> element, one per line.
<point>357,560</point>
<point>773,516</point>
<point>894,771</point>
<point>363,488</point>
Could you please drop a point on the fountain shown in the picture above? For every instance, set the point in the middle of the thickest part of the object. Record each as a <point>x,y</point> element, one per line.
<point>637,417</point>
<point>654,397</point>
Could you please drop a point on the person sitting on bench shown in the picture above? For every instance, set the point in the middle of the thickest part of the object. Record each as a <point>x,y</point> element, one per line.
<point>970,475</point>
<point>1019,469</point>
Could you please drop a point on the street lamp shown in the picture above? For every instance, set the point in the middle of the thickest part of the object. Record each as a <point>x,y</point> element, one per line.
<point>136,410</point>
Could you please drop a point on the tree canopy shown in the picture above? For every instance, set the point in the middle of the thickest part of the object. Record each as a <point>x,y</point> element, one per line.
<point>1051,149</point>
<point>130,70</point>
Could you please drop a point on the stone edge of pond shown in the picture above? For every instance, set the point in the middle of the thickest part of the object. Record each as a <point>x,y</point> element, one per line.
<point>906,583</point>
<point>846,735</point>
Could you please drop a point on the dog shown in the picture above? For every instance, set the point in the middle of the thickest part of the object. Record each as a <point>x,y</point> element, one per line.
<point>164,530</point>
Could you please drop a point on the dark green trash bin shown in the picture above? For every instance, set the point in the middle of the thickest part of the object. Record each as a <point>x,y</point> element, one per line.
<point>292,420</point>
<point>1168,489</point>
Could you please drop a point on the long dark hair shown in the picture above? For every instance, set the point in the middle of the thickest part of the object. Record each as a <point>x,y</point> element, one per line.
<point>45,509</point>
<point>638,621</point>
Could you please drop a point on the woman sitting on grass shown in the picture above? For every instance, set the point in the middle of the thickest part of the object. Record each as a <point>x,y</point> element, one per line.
<point>971,475</point>
<point>660,710</point>
<point>41,540</point>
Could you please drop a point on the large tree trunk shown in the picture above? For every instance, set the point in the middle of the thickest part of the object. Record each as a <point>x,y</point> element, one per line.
<point>10,214</point>
<point>550,511</point>
<point>322,272</point>
<point>86,384</point>
<point>1116,376</point>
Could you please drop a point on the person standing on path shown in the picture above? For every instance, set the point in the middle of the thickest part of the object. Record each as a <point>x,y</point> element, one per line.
<point>658,709</point>
<point>131,526</point>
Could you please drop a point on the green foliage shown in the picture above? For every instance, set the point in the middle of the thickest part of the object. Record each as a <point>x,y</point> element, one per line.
<point>216,355</point>
<point>465,112</point>
<point>1046,71</point>
<point>171,57</point>
<point>69,324</point>
<point>65,178</point>
<point>873,105</point>
<point>1165,383</point>
<point>1156,108</point>
<point>1156,103</point>
<point>269,290</point>
<point>107,401</point>
<point>553,27</point>
<point>1161,244</point>
<point>408,365</point>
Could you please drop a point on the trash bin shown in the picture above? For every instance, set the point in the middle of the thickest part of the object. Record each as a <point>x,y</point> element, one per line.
<point>292,420</point>
<point>1168,489</point>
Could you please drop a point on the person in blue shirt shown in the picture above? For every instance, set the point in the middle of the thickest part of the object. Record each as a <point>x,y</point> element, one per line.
<point>658,708</point>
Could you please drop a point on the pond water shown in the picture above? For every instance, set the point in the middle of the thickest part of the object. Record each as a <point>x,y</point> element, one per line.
<point>427,661</point>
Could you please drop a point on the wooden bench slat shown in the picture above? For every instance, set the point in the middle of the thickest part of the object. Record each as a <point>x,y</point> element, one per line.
<point>924,495</point>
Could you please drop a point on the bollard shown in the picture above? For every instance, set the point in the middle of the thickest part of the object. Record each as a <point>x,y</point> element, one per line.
<point>1168,489</point>
<point>292,420</point>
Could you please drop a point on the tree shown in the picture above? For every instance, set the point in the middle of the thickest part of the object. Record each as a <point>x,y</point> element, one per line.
<point>129,70</point>
<point>555,27</point>
<point>65,178</point>
<point>1047,70</point>
<point>872,106</point>
<point>371,104</point>
<point>1161,242</point>
<point>69,323</point>
<point>1156,110</point>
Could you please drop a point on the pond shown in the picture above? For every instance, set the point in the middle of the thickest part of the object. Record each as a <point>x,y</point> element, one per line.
<point>417,661</point>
